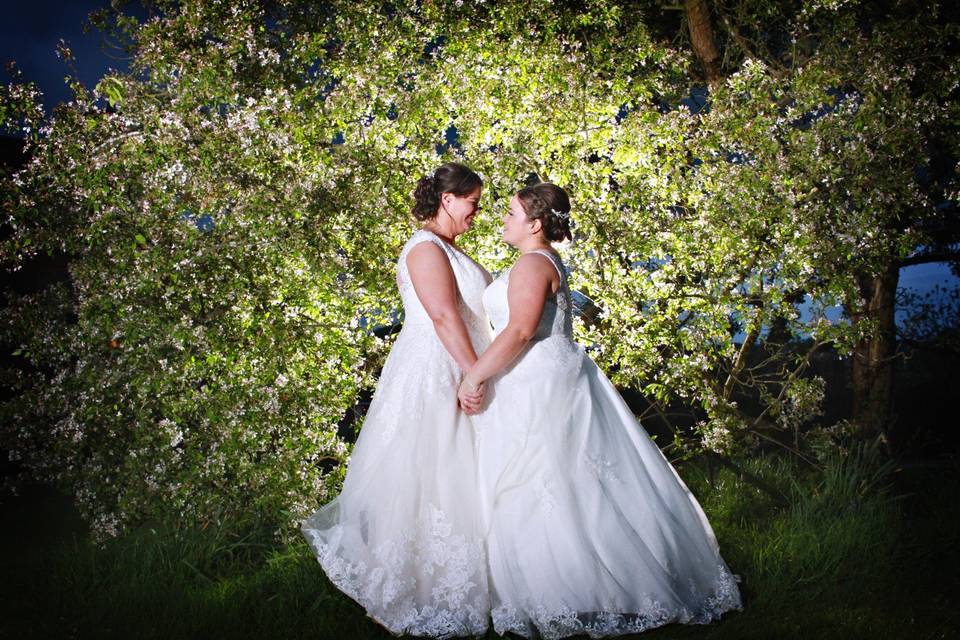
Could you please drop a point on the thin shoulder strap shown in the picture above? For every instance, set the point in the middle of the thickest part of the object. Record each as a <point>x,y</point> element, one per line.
<point>553,260</point>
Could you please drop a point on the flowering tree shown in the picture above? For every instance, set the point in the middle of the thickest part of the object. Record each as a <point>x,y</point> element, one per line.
<point>233,205</point>
<point>870,155</point>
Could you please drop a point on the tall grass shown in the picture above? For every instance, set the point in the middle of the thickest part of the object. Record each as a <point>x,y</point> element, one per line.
<point>163,583</point>
<point>829,565</point>
<point>833,532</point>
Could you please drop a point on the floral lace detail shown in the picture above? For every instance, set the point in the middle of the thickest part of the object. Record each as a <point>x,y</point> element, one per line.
<point>555,321</point>
<point>602,468</point>
<point>419,568</point>
<point>727,595</point>
<point>458,557</point>
<point>544,491</point>
<point>561,621</point>
<point>508,619</point>
<point>419,366</point>
<point>560,349</point>
<point>471,280</point>
<point>434,384</point>
<point>388,592</point>
<point>562,298</point>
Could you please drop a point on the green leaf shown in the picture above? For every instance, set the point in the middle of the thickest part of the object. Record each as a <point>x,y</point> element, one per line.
<point>112,88</point>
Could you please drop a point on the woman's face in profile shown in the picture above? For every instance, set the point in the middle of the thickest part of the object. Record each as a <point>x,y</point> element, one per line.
<point>462,209</point>
<point>516,227</point>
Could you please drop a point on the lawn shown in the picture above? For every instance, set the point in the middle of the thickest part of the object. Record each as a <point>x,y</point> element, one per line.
<point>855,552</point>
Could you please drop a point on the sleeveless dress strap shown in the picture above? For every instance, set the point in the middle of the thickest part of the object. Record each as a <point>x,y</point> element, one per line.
<point>553,260</point>
<point>425,235</point>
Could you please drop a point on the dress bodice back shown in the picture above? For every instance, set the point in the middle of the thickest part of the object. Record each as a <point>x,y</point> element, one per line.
<point>471,279</point>
<point>556,319</point>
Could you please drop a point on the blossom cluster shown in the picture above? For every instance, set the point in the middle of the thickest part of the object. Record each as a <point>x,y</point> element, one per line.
<point>232,209</point>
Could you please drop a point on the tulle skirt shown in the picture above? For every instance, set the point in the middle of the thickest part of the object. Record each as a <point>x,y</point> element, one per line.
<point>589,528</point>
<point>404,538</point>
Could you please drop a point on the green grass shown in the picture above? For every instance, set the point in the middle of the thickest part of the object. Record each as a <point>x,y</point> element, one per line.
<point>860,552</point>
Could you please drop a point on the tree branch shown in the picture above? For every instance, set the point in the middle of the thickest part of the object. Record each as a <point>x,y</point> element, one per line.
<point>927,258</point>
<point>701,38</point>
<point>750,48</point>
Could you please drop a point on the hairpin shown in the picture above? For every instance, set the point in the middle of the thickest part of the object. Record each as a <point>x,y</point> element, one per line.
<point>565,216</point>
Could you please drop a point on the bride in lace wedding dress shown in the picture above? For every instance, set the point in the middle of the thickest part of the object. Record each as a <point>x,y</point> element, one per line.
<point>404,537</point>
<point>589,528</point>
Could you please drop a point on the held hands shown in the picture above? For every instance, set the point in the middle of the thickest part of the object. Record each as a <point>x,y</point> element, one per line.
<point>470,396</point>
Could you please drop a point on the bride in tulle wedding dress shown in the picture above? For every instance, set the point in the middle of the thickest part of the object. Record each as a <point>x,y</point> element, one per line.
<point>589,528</point>
<point>404,537</point>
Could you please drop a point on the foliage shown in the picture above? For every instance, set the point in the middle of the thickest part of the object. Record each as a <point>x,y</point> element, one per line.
<point>931,319</point>
<point>233,206</point>
<point>864,566</point>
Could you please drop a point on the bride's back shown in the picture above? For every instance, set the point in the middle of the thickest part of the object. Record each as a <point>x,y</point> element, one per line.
<point>556,319</point>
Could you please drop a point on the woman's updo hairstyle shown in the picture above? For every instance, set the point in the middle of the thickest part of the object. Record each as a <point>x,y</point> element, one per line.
<point>549,204</point>
<point>452,177</point>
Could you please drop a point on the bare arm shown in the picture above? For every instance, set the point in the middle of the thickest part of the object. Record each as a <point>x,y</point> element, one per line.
<point>436,287</point>
<point>531,281</point>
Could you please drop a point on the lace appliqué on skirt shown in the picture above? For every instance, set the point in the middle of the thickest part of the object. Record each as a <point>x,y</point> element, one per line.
<point>388,590</point>
<point>602,468</point>
<point>560,622</point>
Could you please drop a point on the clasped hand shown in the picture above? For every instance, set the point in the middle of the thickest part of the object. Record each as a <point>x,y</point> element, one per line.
<point>470,396</point>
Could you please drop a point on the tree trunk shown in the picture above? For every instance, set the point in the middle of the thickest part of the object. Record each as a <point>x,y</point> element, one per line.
<point>873,356</point>
<point>701,37</point>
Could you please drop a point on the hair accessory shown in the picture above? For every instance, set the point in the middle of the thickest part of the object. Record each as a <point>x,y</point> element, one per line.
<point>432,174</point>
<point>564,216</point>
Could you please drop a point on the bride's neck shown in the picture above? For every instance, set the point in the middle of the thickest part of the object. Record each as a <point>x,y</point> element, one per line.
<point>534,244</point>
<point>441,226</point>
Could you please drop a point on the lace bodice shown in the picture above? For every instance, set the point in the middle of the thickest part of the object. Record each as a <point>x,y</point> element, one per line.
<point>556,319</point>
<point>472,280</point>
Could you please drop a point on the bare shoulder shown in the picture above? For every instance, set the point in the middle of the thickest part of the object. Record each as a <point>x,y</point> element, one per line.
<point>534,272</point>
<point>534,264</point>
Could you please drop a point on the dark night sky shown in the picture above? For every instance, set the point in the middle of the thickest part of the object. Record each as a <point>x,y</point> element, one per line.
<point>29,35</point>
<point>32,28</point>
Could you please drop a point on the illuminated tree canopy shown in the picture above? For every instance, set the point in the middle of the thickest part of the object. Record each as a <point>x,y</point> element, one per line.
<point>232,207</point>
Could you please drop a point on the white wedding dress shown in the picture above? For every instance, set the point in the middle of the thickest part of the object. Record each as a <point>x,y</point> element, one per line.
<point>404,537</point>
<point>589,528</point>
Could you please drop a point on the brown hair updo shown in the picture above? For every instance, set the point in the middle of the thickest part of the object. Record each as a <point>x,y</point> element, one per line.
<point>549,204</point>
<point>451,177</point>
